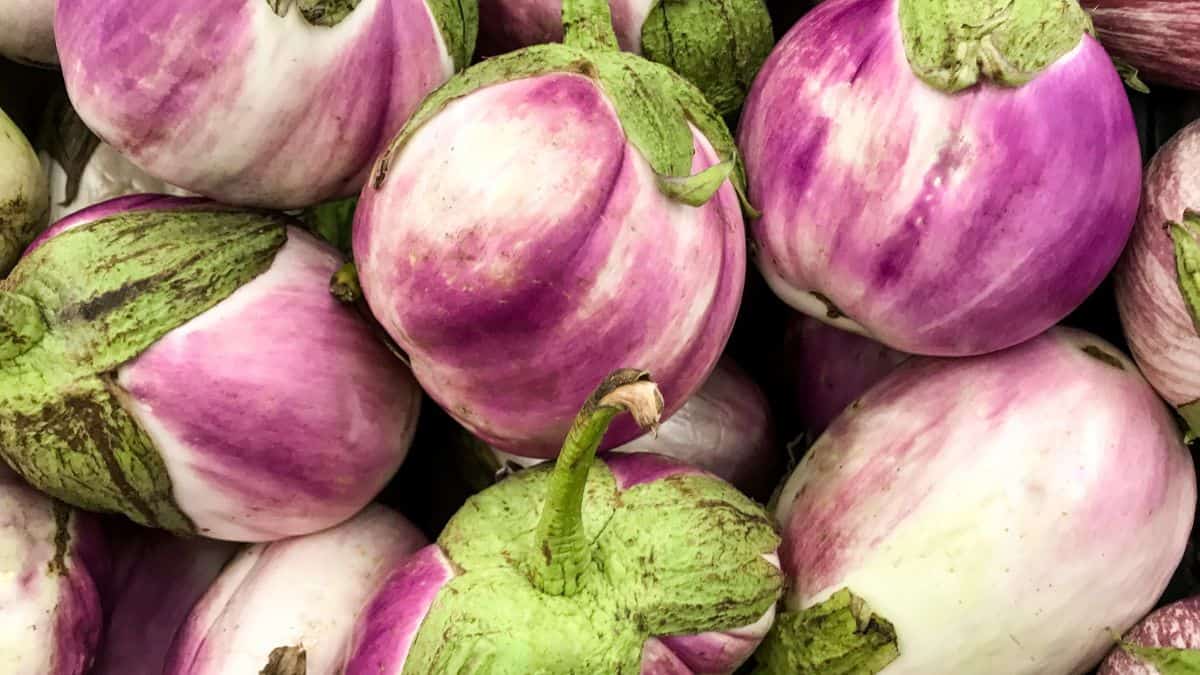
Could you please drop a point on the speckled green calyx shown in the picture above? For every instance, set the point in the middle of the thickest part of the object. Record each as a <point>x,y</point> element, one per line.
<point>458,21</point>
<point>560,571</point>
<point>1166,660</point>
<point>952,44</point>
<point>63,424</point>
<point>654,104</point>
<point>24,195</point>
<point>840,636</point>
<point>718,45</point>
<point>325,13</point>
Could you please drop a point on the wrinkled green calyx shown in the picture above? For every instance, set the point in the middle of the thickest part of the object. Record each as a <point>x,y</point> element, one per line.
<point>722,62</point>
<point>325,13</point>
<point>840,636</point>
<point>952,44</point>
<point>1166,660</point>
<point>104,292</point>
<point>654,104</point>
<point>561,571</point>
<point>24,197</point>
<point>458,21</point>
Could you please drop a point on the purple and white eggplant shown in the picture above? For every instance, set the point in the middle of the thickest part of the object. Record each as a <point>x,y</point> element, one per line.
<point>1165,643</point>
<point>24,202</point>
<point>717,45</point>
<point>945,178</point>
<point>828,368</point>
<point>288,607</point>
<point>724,428</point>
<point>1005,513</point>
<point>1157,37</point>
<point>547,213</point>
<point>632,562</point>
<point>275,103</point>
<point>199,377</point>
<point>52,559</point>
<point>1156,282</point>
<point>27,31</point>
<point>155,581</point>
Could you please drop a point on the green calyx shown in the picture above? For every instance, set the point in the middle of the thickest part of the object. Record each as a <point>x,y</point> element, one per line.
<point>719,45</point>
<point>1184,236</point>
<point>458,21</point>
<point>1166,660</point>
<point>64,424</point>
<point>656,107</point>
<point>952,44</point>
<point>840,636</point>
<point>334,222</point>
<point>325,13</point>
<point>24,195</point>
<point>561,571</point>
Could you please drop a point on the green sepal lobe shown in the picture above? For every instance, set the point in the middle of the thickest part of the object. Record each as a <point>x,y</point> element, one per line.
<point>1166,660</point>
<point>1187,262</point>
<point>64,425</point>
<point>840,636</point>
<point>953,44</point>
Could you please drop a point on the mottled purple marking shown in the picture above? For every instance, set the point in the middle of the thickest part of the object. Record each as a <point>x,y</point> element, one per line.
<point>389,622</point>
<point>947,225</point>
<point>1155,36</point>
<point>1176,625</point>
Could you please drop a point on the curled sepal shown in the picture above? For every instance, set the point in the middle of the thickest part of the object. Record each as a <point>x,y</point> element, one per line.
<point>1129,75</point>
<point>21,325</point>
<point>840,636</point>
<point>953,44</point>
<point>528,62</point>
<point>1166,660</point>
<point>286,661</point>
<point>1187,262</point>
<point>698,188</point>
<point>560,562</point>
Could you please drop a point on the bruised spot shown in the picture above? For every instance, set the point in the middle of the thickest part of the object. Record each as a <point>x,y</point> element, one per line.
<point>1101,355</point>
<point>286,661</point>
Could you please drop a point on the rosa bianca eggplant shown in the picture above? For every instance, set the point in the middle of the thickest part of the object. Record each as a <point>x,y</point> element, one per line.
<point>27,31</point>
<point>1154,36</point>
<point>53,559</point>
<point>945,178</point>
<point>630,562</point>
<point>24,201</point>
<point>1165,643</point>
<point>273,103</point>
<point>717,45</point>
<point>183,363</point>
<point>81,170</point>
<point>1155,280</point>
<point>548,212</point>
<point>288,607</point>
<point>155,581</point>
<point>1027,503</point>
<point>724,428</point>
<point>828,368</point>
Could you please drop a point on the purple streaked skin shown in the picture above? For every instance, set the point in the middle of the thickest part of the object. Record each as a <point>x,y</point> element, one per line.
<point>304,416</point>
<point>937,224</point>
<point>389,622</point>
<point>1028,503</point>
<point>50,616</point>
<point>514,284</point>
<point>1155,36</point>
<point>1155,317</point>
<point>828,368</point>
<point>226,99</point>
<point>157,578</point>
<point>1176,625</point>
<point>304,592</point>
<point>507,25</point>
